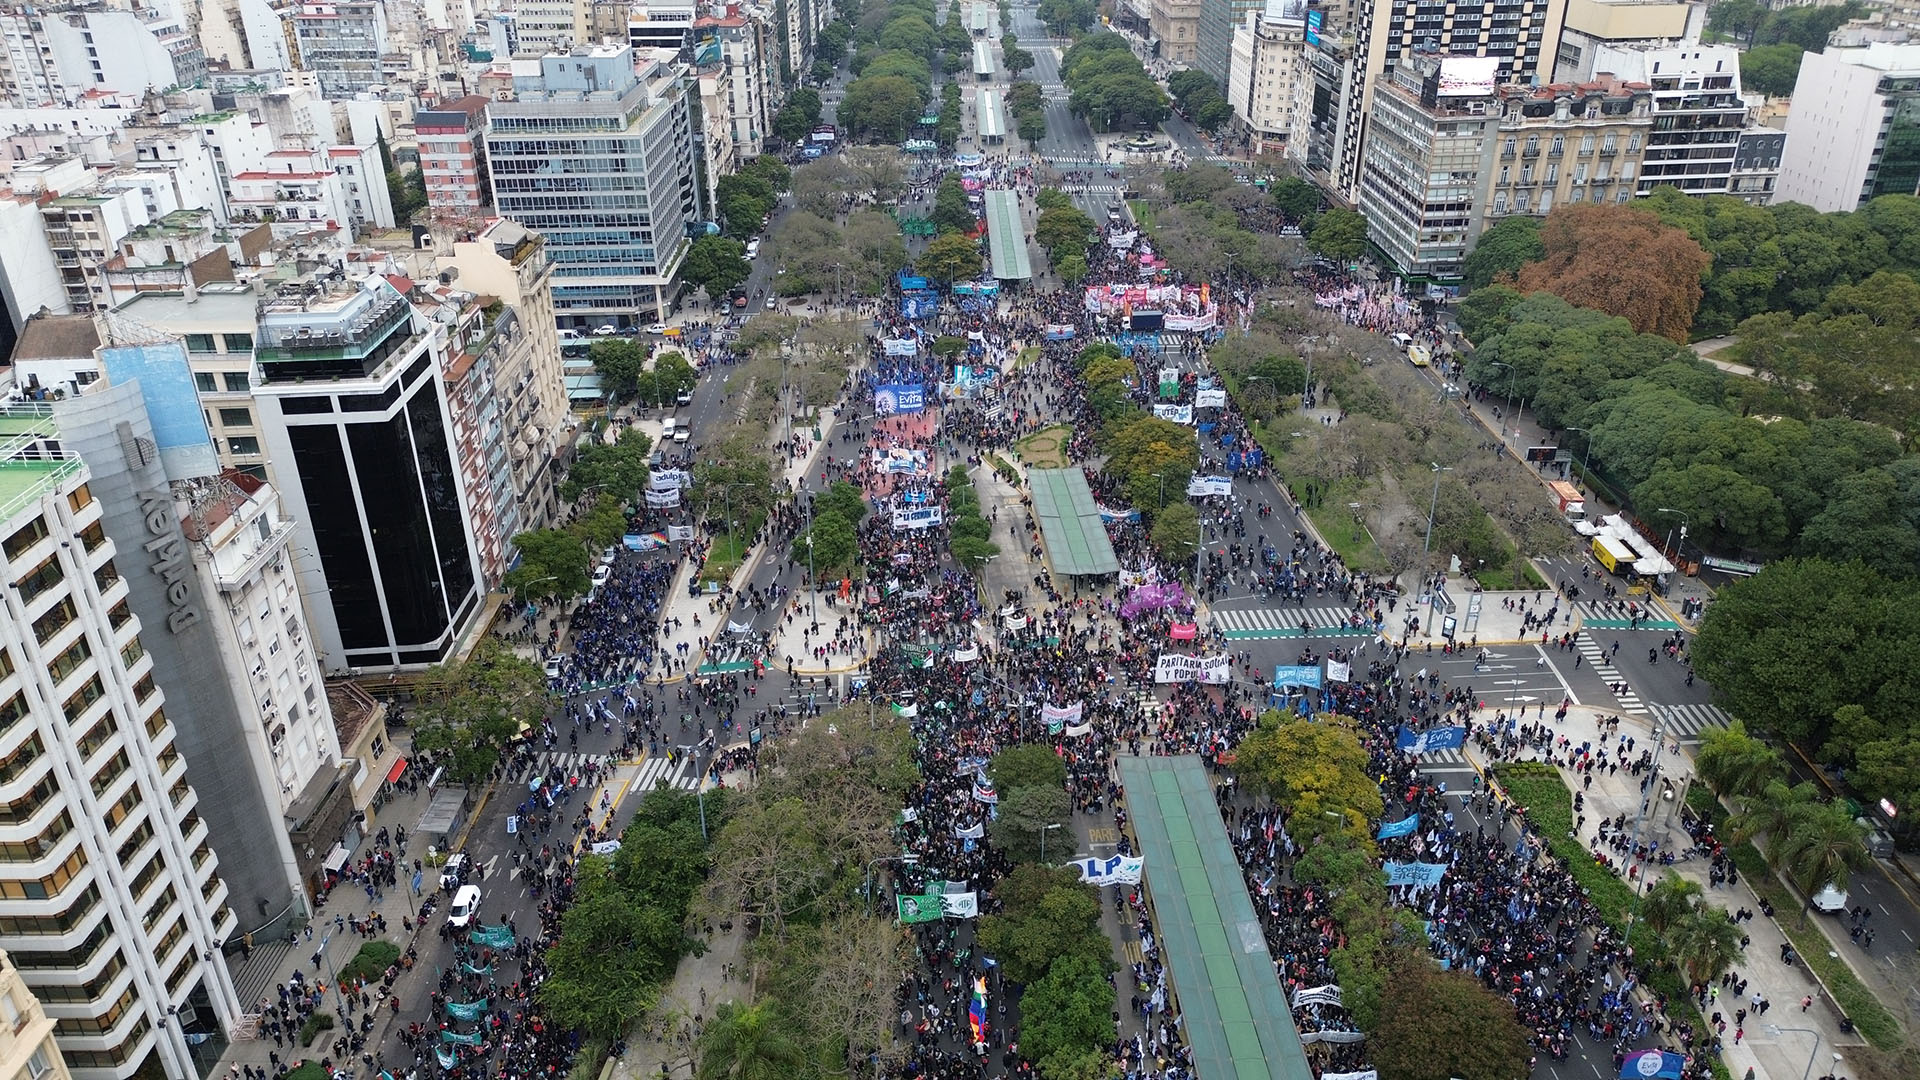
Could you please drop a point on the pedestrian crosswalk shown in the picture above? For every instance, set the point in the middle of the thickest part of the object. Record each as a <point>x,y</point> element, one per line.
<point>1601,660</point>
<point>1283,621</point>
<point>1445,761</point>
<point>1614,615</point>
<point>655,768</point>
<point>1689,721</point>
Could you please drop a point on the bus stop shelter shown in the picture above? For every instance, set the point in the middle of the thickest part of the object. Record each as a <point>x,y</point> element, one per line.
<point>1234,1009</point>
<point>1070,522</point>
<point>989,116</point>
<point>1007,238</point>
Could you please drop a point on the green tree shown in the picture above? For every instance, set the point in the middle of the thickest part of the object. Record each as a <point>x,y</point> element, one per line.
<point>475,707</point>
<point>747,1042</point>
<point>612,957</point>
<point>1440,1024</point>
<point>1068,18</point>
<point>1501,251</point>
<point>1047,915</point>
<point>1064,231</point>
<point>1027,815</point>
<point>1734,763</point>
<point>1485,311</point>
<point>618,362</point>
<point>973,552</point>
<point>1071,268</point>
<point>1176,533</point>
<point>1668,901</point>
<point>672,374</point>
<point>1068,1012</point>
<point>950,258</point>
<point>1151,456</point>
<point>553,562</point>
<point>844,499</point>
<point>1311,768</point>
<point>1704,942</point>
<point>716,264</point>
<point>1339,234</point>
<point>950,210</point>
<point>1027,765</point>
<point>1771,69</point>
<point>1737,18</point>
<point>1299,199</point>
<point>828,545</point>
<point>1823,847</point>
<point>884,107</point>
<point>619,468</point>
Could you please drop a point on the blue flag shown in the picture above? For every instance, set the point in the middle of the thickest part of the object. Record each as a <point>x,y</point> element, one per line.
<point>1648,1064</point>
<point>1404,827</point>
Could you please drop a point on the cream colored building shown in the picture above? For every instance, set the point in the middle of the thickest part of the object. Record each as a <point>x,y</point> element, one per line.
<point>1590,24</point>
<point>27,1050</point>
<point>1270,84</point>
<point>1177,24</point>
<point>1567,143</point>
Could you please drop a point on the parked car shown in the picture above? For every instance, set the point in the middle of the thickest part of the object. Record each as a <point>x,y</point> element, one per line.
<point>605,330</point>
<point>656,328</point>
<point>454,873</point>
<point>465,907</point>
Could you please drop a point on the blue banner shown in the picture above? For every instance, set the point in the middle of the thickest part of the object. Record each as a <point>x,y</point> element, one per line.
<point>1423,742</point>
<point>1404,827</point>
<point>892,398</point>
<point>910,283</point>
<point>1415,873</point>
<point>1297,675</point>
<point>1647,1064</point>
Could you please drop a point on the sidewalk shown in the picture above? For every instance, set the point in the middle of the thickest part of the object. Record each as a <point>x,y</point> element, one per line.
<point>1783,987</point>
<point>1495,624</point>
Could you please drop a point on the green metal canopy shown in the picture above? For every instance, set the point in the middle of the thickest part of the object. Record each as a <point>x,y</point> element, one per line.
<point>1006,237</point>
<point>1230,1000</point>
<point>1070,522</point>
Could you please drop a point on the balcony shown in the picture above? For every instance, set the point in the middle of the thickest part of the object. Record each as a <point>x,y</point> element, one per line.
<point>1609,151</point>
<point>1506,155</point>
<point>1557,151</point>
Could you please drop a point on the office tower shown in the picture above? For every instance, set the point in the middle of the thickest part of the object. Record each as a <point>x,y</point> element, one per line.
<point>1271,84</point>
<point>117,926</point>
<point>350,394</point>
<point>599,159</point>
<point>1215,23</point>
<point>1432,136</point>
<point>1854,130</point>
<point>1520,36</point>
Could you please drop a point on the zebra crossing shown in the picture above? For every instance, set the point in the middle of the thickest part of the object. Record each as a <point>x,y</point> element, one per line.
<point>1454,760</point>
<point>1611,615</point>
<point>1688,722</point>
<point>1282,622</point>
<point>1602,663</point>
<point>654,768</point>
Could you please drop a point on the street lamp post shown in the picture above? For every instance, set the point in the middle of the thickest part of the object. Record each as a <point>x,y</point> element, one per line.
<point>1426,549</point>
<point>1044,830</point>
<point>1586,452</point>
<point>1667,547</point>
<point>1776,1031</point>
<point>1651,792</point>
<point>813,578</point>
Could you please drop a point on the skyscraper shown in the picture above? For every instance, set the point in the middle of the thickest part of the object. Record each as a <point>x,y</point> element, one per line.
<point>599,159</point>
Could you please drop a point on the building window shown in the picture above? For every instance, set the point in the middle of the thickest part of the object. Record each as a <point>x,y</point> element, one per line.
<point>25,537</point>
<point>236,381</point>
<point>203,382</point>
<point>237,343</point>
<point>80,498</point>
<point>39,579</point>
<point>243,444</point>
<point>236,418</point>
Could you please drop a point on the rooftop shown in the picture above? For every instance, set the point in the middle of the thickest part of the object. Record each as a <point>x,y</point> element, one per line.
<point>57,337</point>
<point>216,307</point>
<point>29,466</point>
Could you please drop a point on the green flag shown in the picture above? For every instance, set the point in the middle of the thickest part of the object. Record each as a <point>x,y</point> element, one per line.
<point>924,908</point>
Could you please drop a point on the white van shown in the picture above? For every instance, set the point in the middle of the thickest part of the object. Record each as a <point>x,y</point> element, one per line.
<point>666,429</point>
<point>1830,900</point>
<point>466,905</point>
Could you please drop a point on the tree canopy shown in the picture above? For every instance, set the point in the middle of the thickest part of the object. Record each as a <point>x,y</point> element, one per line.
<point>1623,261</point>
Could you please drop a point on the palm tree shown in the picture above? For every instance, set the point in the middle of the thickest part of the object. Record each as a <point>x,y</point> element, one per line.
<point>1737,764</point>
<point>1670,899</point>
<point>1775,813</point>
<point>1704,942</point>
<point>747,1042</point>
<point>1823,848</point>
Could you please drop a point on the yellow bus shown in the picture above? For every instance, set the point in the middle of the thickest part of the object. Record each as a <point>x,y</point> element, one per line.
<point>1418,355</point>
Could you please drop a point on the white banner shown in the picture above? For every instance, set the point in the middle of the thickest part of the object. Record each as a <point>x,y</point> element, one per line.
<point>1210,485</point>
<point>971,652</point>
<point>1370,1074</point>
<point>680,532</point>
<point>1210,399</point>
<point>972,832</point>
<point>1062,714</point>
<point>1179,414</point>
<point>606,847</point>
<point>964,905</point>
<point>1339,672</point>
<point>919,517</point>
<point>1115,870</point>
<point>1128,578</point>
<point>1177,321</point>
<point>1318,995</point>
<point>1179,667</point>
<point>739,628</point>
<point>1074,731</point>
<point>1332,1036</point>
<point>663,500</point>
<point>1015,622</point>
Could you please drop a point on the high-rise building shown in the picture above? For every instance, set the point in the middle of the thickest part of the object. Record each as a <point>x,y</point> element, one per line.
<point>1698,113</point>
<point>27,1049</point>
<point>452,137</point>
<point>1854,130</point>
<point>1214,24</point>
<point>598,157</point>
<point>731,49</point>
<point>350,395</point>
<point>118,923</point>
<point>1270,84</point>
<point>1520,36</point>
<point>1431,142</point>
<point>1589,24</point>
<point>341,43</point>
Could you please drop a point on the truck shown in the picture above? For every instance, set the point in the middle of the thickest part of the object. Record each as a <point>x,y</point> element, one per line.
<point>1613,555</point>
<point>1573,505</point>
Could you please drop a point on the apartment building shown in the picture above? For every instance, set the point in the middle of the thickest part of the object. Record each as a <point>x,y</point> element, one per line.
<point>731,50</point>
<point>1698,113</point>
<point>1176,25</point>
<point>27,1049</point>
<point>1270,84</point>
<point>216,324</point>
<point>595,121</point>
<point>452,138</point>
<point>1567,143</point>
<point>85,229</point>
<point>1429,148</point>
<point>1854,130</point>
<point>350,395</point>
<point>341,43</point>
<point>116,920</point>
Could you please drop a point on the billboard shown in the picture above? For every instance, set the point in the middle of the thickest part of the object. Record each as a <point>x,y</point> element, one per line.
<point>1468,76</point>
<point>1316,19</point>
<point>173,405</point>
<point>1287,11</point>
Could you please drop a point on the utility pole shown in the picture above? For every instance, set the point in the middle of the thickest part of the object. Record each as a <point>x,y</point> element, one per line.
<point>1426,549</point>
<point>1647,795</point>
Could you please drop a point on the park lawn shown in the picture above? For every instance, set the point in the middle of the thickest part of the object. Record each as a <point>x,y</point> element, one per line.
<point>1338,528</point>
<point>1142,213</point>
<point>1046,448</point>
<point>726,555</point>
<point>1517,574</point>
